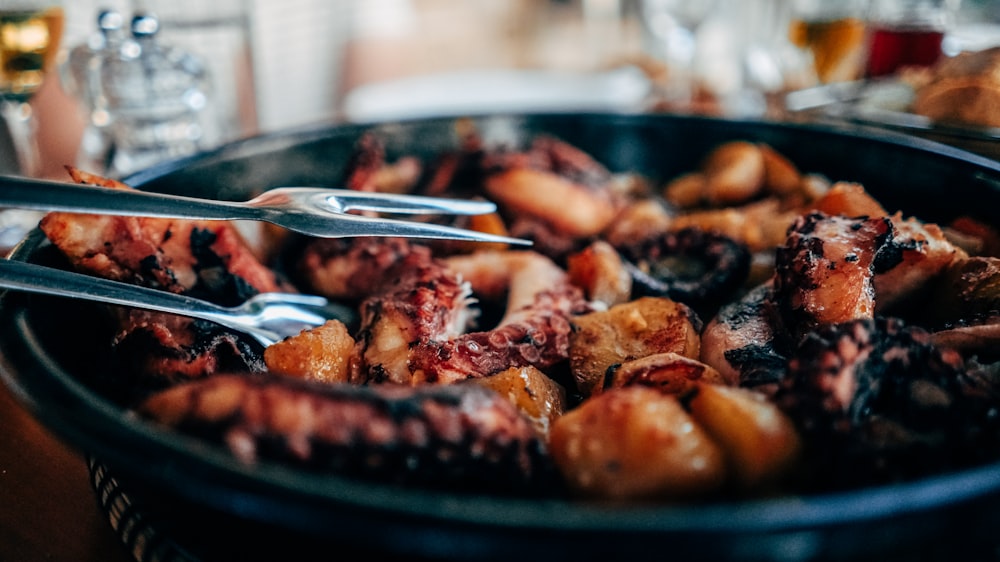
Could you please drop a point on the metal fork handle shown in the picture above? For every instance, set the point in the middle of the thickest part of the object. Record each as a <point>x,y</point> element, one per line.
<point>41,195</point>
<point>32,278</point>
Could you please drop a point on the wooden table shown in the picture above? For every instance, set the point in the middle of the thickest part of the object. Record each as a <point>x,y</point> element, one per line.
<point>48,510</point>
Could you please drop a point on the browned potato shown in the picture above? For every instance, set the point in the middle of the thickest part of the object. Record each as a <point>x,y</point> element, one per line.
<point>635,443</point>
<point>780,175</point>
<point>639,220</point>
<point>541,399</point>
<point>629,331</point>
<point>598,270</point>
<point>734,173</point>
<point>761,224</point>
<point>490,223</point>
<point>322,353</point>
<point>759,441</point>
<point>687,190</point>
<point>670,373</point>
<point>850,200</point>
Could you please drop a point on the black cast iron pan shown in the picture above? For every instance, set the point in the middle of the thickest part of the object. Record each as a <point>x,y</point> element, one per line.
<point>198,497</point>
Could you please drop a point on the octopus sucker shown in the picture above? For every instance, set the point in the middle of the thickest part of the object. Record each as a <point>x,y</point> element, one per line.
<point>698,268</point>
<point>414,332</point>
<point>463,437</point>
<point>877,402</point>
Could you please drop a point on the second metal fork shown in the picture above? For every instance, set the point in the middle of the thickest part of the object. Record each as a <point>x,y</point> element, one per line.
<point>313,211</point>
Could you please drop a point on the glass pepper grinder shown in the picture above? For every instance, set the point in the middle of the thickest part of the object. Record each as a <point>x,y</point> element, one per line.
<point>157,97</point>
<point>82,76</point>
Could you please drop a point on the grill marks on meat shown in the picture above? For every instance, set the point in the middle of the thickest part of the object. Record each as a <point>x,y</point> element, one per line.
<point>462,437</point>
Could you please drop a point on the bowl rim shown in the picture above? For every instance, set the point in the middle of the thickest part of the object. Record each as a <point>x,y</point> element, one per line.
<point>96,426</point>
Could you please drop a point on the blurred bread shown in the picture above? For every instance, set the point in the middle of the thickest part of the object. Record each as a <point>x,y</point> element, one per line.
<point>963,89</point>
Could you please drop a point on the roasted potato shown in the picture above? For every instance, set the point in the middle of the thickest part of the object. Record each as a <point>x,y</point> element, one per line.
<point>669,373</point>
<point>321,354</point>
<point>540,399</point>
<point>598,269</point>
<point>759,441</point>
<point>635,443</point>
<point>629,331</point>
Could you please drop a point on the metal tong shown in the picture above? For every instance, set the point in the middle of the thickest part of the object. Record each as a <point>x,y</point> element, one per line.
<point>313,211</point>
<point>267,317</point>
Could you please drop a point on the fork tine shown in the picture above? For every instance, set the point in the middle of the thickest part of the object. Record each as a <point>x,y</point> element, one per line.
<point>359,225</point>
<point>347,200</point>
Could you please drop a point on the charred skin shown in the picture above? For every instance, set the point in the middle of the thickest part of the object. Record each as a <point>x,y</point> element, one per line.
<point>698,268</point>
<point>205,259</point>
<point>744,342</point>
<point>825,270</point>
<point>877,402</point>
<point>455,437</point>
<point>153,351</point>
<point>354,268</point>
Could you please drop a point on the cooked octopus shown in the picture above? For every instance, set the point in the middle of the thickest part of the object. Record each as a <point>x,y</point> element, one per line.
<point>414,332</point>
<point>459,437</point>
<point>877,402</point>
<point>203,259</point>
<point>698,268</point>
<point>743,341</point>
<point>825,270</point>
<point>463,350</point>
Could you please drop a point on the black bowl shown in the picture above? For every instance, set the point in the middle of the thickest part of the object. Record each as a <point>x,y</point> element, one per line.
<point>197,496</point>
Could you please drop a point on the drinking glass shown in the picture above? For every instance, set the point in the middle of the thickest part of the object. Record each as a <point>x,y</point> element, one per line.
<point>30,32</point>
<point>670,34</point>
<point>833,34</point>
<point>907,33</point>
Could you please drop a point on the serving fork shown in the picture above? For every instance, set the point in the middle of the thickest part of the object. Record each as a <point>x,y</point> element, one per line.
<point>267,317</point>
<point>313,211</point>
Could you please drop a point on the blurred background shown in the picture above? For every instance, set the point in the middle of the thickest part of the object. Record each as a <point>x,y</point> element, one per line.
<point>128,83</point>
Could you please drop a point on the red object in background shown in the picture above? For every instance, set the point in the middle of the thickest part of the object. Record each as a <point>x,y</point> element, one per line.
<point>895,47</point>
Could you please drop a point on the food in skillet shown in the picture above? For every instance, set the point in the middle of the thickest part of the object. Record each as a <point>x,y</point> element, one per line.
<point>745,330</point>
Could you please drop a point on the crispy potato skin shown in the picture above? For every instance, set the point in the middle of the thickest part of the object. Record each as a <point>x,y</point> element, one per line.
<point>541,399</point>
<point>321,354</point>
<point>629,331</point>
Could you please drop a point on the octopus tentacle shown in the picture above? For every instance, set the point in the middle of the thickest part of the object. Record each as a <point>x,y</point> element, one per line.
<point>877,401</point>
<point>690,265</point>
<point>455,436</point>
<point>742,341</point>
<point>824,272</point>
<point>413,333</point>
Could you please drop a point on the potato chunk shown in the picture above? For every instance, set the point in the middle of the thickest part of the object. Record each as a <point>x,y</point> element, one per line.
<point>541,399</point>
<point>629,331</point>
<point>322,353</point>
<point>632,443</point>
<point>760,442</point>
<point>670,373</point>
<point>850,200</point>
<point>600,272</point>
<point>734,173</point>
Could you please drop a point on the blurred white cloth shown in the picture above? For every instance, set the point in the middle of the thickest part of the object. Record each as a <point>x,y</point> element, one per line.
<point>298,59</point>
<point>496,91</point>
